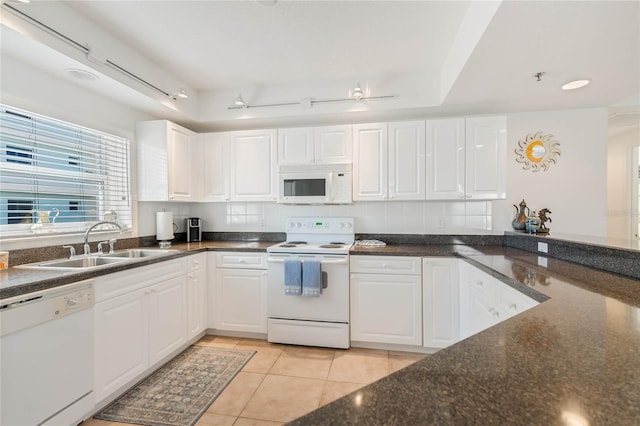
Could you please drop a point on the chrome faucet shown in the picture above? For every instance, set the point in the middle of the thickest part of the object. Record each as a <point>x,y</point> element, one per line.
<point>87,249</point>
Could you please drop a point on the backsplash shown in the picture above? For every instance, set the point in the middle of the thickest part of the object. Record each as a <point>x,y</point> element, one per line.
<point>408,217</point>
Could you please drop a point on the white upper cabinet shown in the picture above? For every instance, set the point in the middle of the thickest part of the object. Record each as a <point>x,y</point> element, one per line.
<point>253,165</point>
<point>486,143</point>
<point>319,145</point>
<point>166,153</point>
<point>333,144</point>
<point>215,171</point>
<point>370,169</point>
<point>389,161</point>
<point>466,158</point>
<point>445,159</point>
<point>239,166</point>
<point>407,160</point>
<point>295,146</point>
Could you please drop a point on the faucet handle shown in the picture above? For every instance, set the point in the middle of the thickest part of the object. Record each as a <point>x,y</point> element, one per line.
<point>111,243</point>
<point>100,246</point>
<point>72,250</point>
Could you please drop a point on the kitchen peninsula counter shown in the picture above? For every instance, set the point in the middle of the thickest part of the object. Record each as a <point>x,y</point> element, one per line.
<point>573,359</point>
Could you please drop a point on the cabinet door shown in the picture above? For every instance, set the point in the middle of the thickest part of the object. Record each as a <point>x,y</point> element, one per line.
<point>370,162</point>
<point>386,309</point>
<point>486,142</point>
<point>406,160</point>
<point>295,146</point>
<point>253,164</point>
<point>180,163</point>
<point>333,144</point>
<point>167,318</point>
<point>196,296</point>
<point>241,300</point>
<point>445,159</point>
<point>121,341</point>
<point>441,305</point>
<point>215,170</point>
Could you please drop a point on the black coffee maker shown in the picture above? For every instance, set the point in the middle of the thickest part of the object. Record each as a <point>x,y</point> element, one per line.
<point>194,229</point>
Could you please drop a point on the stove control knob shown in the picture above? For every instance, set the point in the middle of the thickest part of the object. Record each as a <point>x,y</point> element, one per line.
<point>299,225</point>
<point>291,225</point>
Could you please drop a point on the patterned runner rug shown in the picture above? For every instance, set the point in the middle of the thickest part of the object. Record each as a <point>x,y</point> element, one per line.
<point>179,392</point>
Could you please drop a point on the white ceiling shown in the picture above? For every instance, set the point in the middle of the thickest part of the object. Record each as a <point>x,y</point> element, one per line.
<point>315,49</point>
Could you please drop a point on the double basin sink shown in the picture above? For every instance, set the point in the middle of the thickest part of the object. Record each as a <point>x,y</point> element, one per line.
<point>83,262</point>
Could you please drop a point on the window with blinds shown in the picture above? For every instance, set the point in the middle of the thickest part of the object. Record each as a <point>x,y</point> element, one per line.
<point>57,177</point>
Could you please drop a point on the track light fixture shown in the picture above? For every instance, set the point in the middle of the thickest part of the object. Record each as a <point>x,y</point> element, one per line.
<point>182,94</point>
<point>356,94</point>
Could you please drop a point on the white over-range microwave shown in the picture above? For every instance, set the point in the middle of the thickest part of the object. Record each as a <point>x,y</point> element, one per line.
<point>314,184</point>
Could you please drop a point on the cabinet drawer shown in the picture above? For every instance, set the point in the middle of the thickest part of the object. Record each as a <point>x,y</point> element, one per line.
<point>112,285</point>
<point>386,265</point>
<point>478,279</point>
<point>512,302</point>
<point>241,260</point>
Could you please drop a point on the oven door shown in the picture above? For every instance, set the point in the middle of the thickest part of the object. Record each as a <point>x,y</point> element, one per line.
<point>331,306</point>
<point>305,188</point>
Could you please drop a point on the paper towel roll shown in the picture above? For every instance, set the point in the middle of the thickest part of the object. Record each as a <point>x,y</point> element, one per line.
<point>164,226</point>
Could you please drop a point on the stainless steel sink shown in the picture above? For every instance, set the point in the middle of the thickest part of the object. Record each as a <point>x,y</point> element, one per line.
<point>137,253</point>
<point>80,263</point>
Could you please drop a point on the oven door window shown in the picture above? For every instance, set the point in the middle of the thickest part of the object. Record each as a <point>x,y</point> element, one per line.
<point>305,187</point>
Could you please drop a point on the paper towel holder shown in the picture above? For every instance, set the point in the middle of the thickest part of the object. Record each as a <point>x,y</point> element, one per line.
<point>165,228</point>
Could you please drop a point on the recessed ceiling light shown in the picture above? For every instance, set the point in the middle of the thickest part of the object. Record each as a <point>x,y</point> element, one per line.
<point>81,74</point>
<point>576,84</point>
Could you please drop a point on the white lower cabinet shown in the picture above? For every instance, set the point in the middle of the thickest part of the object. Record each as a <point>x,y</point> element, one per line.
<point>167,317</point>
<point>140,319</point>
<point>485,301</point>
<point>440,302</point>
<point>121,341</point>
<point>240,299</point>
<point>386,302</point>
<point>196,295</point>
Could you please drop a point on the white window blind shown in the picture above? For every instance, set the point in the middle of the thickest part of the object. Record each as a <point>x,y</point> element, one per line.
<point>57,177</point>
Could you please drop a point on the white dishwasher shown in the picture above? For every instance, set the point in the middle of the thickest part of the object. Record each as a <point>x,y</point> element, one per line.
<point>46,363</point>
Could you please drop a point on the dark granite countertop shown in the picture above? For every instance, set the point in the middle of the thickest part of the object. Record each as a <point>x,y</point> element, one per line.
<point>18,281</point>
<point>573,359</point>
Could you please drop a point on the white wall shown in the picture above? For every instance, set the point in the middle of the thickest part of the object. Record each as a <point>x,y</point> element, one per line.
<point>574,189</point>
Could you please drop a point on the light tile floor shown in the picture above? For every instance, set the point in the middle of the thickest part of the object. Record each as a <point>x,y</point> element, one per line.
<point>282,382</point>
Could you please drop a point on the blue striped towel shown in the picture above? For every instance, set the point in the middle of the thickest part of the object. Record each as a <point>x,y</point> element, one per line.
<point>311,278</point>
<point>292,277</point>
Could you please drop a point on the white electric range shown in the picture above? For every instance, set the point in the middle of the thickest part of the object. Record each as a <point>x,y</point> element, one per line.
<point>321,320</point>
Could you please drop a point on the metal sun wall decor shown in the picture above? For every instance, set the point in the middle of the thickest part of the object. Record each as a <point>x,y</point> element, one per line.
<point>536,152</point>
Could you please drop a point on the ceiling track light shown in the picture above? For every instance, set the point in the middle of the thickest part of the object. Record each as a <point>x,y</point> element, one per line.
<point>182,94</point>
<point>86,50</point>
<point>357,95</point>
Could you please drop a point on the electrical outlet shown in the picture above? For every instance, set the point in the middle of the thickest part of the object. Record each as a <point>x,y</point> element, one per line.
<point>542,261</point>
<point>543,247</point>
